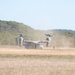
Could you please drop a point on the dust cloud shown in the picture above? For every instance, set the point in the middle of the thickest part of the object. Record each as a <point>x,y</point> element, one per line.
<point>62,41</point>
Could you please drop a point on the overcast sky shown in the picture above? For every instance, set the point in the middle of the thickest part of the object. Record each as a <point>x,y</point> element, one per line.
<point>40,14</point>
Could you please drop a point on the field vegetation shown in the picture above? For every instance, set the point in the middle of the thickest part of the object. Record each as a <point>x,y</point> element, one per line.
<point>37,65</point>
<point>10,30</point>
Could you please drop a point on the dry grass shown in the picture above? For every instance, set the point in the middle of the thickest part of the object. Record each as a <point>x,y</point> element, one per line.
<point>12,63</point>
<point>33,66</point>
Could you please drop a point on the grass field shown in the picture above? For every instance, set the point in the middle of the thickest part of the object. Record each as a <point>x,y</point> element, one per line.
<point>20,61</point>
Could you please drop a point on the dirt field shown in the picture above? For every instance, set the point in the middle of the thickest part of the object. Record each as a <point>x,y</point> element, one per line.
<point>37,62</point>
<point>45,51</point>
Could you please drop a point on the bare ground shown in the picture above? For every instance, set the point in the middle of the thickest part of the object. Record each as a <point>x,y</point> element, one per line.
<point>45,51</point>
<point>37,66</point>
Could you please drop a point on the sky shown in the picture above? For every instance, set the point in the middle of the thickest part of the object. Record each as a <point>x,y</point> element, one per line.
<point>40,14</point>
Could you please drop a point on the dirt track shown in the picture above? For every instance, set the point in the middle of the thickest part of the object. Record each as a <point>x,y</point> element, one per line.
<point>23,51</point>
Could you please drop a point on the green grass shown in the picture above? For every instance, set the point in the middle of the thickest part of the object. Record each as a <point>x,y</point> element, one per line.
<point>37,56</point>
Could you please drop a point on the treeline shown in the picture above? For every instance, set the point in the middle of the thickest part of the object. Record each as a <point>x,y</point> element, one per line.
<point>10,30</point>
